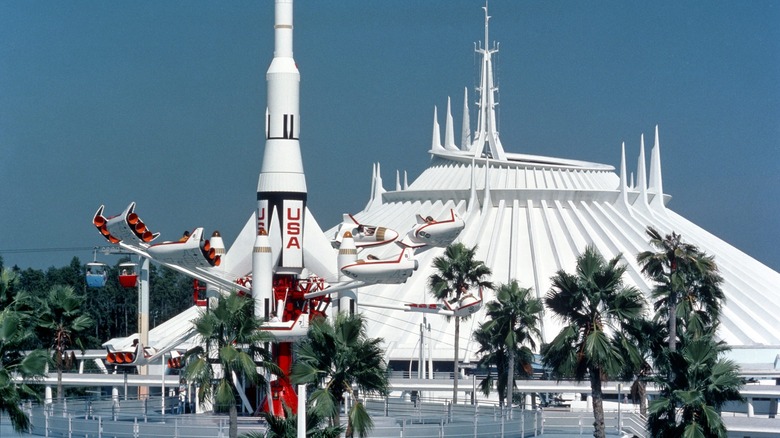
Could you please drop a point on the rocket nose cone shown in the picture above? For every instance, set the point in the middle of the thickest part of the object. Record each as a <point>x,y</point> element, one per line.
<point>387,234</point>
<point>262,241</point>
<point>347,242</point>
<point>217,243</point>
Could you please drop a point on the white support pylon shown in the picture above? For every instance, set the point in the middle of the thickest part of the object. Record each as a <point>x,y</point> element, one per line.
<point>262,274</point>
<point>347,256</point>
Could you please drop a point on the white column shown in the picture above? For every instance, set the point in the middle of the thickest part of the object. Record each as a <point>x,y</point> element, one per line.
<point>301,411</point>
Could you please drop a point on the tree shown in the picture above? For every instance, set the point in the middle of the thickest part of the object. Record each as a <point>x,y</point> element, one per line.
<point>683,274</point>
<point>637,344</point>
<point>9,286</point>
<point>694,380</point>
<point>492,351</point>
<point>457,271</point>
<point>61,322</point>
<point>689,405</point>
<point>231,349</point>
<point>513,325</point>
<point>591,303</point>
<point>335,358</point>
<point>15,333</point>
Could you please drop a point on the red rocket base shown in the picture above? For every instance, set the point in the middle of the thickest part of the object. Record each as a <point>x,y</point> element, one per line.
<point>282,391</point>
<point>291,291</point>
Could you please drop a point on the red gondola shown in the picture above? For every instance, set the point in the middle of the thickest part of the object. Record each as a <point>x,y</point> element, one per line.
<point>128,275</point>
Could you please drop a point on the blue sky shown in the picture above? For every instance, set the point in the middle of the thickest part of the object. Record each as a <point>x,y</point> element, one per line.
<point>162,103</point>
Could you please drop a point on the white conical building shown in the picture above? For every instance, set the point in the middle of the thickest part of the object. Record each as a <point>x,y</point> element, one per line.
<point>531,216</point>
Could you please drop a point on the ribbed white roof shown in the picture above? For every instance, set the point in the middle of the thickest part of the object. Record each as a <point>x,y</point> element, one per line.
<point>531,220</point>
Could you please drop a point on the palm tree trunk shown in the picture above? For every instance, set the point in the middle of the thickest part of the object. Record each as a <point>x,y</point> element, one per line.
<point>643,398</point>
<point>455,362</point>
<point>510,376</point>
<point>233,431</point>
<point>599,431</point>
<point>673,322</point>
<point>60,395</point>
<point>336,419</point>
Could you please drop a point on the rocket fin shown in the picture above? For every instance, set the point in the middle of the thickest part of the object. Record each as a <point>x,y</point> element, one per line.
<point>275,236</point>
<point>318,253</point>
<point>238,259</point>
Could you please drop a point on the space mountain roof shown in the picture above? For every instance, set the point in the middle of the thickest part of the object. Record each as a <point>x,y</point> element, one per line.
<point>531,216</point>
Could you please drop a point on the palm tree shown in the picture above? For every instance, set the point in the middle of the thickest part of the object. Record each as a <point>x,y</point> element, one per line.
<point>682,274</point>
<point>689,406</point>
<point>15,331</point>
<point>9,285</point>
<point>336,358</point>
<point>232,348</point>
<point>492,353</point>
<point>638,343</point>
<point>591,303</point>
<point>62,321</point>
<point>514,320</point>
<point>457,271</point>
<point>695,380</point>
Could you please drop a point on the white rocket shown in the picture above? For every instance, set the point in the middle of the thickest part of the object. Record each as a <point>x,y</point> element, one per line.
<point>281,189</point>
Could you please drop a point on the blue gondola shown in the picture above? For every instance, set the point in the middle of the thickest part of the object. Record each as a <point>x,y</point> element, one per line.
<point>96,274</point>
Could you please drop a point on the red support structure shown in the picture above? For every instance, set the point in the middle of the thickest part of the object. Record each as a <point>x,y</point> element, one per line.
<point>196,290</point>
<point>291,291</point>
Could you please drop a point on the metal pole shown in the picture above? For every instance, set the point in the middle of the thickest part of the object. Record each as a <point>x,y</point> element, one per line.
<point>476,419</point>
<point>522,423</point>
<point>301,411</point>
<point>143,318</point>
<point>421,359</point>
<point>162,384</point>
<point>620,387</point>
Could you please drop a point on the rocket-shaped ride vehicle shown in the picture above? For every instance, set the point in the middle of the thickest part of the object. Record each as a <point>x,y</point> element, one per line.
<point>281,188</point>
<point>281,207</point>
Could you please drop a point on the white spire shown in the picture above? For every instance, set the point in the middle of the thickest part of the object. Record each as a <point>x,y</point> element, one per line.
<point>622,202</point>
<point>377,189</point>
<point>373,182</point>
<point>465,132</point>
<point>397,181</point>
<point>436,140</point>
<point>656,182</point>
<point>623,182</point>
<point>449,130</point>
<point>406,182</point>
<point>487,141</point>
<point>641,180</point>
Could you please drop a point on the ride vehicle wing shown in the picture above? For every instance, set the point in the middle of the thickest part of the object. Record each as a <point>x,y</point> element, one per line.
<point>192,255</point>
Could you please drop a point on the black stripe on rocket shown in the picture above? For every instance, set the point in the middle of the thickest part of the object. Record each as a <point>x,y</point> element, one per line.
<point>288,129</point>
